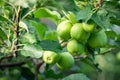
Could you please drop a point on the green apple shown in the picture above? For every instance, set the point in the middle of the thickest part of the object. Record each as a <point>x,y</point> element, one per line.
<point>98,39</point>
<point>66,61</point>
<point>88,27</point>
<point>118,55</point>
<point>75,48</point>
<point>77,32</point>
<point>50,57</point>
<point>63,29</point>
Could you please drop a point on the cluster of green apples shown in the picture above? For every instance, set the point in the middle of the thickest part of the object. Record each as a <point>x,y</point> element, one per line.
<point>80,34</point>
<point>63,60</point>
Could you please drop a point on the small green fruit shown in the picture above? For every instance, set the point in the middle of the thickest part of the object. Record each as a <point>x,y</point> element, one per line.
<point>118,56</point>
<point>63,29</point>
<point>89,27</point>
<point>98,39</point>
<point>75,48</point>
<point>50,57</point>
<point>66,61</point>
<point>78,33</point>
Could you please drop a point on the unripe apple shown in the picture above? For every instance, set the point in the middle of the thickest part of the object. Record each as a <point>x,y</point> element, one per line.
<point>75,48</point>
<point>63,29</point>
<point>66,61</point>
<point>98,39</point>
<point>78,33</point>
<point>118,56</point>
<point>50,57</point>
<point>89,27</point>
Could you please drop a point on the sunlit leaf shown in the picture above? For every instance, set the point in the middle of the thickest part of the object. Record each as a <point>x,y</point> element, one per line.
<point>40,28</point>
<point>23,25</point>
<point>30,50</point>
<point>46,13</point>
<point>28,38</point>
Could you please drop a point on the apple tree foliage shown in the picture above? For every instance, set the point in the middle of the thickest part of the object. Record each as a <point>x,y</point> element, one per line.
<point>29,27</point>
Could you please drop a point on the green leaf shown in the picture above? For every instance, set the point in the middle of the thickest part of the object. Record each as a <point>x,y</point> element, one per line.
<point>102,21</point>
<point>51,35</point>
<point>84,14</point>
<point>32,50</point>
<point>3,35</point>
<point>76,77</point>
<point>89,61</point>
<point>40,28</point>
<point>46,13</point>
<point>50,45</point>
<point>28,38</point>
<point>1,2</point>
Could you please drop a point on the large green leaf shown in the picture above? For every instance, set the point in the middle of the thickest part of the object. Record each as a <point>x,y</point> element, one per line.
<point>84,14</point>
<point>50,45</point>
<point>76,77</point>
<point>32,50</point>
<point>102,21</point>
<point>28,38</point>
<point>40,28</point>
<point>46,13</point>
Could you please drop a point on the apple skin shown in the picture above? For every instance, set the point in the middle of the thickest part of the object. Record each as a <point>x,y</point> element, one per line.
<point>63,29</point>
<point>88,27</point>
<point>98,39</point>
<point>50,57</point>
<point>75,48</point>
<point>77,32</point>
<point>66,61</point>
<point>118,56</point>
